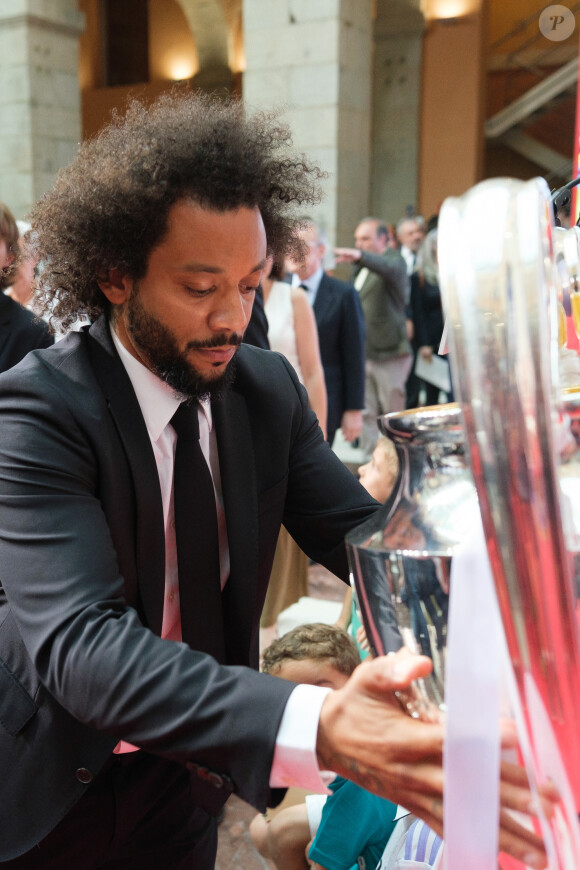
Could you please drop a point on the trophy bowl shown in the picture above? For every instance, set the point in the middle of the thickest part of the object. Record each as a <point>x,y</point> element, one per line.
<point>400,559</point>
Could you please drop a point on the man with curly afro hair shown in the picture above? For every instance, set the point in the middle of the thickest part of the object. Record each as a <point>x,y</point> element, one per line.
<point>130,703</point>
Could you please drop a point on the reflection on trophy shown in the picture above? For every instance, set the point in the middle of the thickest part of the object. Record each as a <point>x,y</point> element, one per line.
<point>509,451</point>
<point>401,558</point>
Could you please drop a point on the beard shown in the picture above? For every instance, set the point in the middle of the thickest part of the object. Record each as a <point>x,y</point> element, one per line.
<point>162,355</point>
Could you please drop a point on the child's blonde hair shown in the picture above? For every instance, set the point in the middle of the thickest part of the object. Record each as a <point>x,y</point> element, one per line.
<point>390,453</point>
<point>316,641</point>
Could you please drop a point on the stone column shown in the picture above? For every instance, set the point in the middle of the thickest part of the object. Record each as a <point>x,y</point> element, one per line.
<point>40,125</point>
<point>453,102</point>
<point>399,30</point>
<point>313,58</point>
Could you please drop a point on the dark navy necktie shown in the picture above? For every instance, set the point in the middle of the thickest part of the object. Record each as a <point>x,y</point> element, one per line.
<point>196,535</point>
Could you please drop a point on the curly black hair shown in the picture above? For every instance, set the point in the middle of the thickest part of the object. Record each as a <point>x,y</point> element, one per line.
<point>108,209</point>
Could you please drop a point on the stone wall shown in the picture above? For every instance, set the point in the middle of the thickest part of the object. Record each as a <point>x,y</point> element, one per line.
<point>396,108</point>
<point>39,96</point>
<point>313,59</point>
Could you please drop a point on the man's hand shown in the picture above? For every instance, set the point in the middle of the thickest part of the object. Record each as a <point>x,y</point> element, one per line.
<point>347,255</point>
<point>514,838</point>
<point>365,735</point>
<point>362,639</point>
<point>351,424</point>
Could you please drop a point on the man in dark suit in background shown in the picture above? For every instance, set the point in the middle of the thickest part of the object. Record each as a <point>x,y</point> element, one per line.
<point>130,707</point>
<point>341,333</point>
<point>381,278</point>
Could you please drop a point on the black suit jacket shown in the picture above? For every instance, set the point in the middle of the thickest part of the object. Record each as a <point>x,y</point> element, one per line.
<point>341,335</point>
<point>20,332</point>
<point>82,572</point>
<point>257,329</point>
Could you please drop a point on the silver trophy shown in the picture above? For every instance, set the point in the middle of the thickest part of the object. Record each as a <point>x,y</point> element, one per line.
<point>500,286</point>
<point>508,450</point>
<point>401,558</point>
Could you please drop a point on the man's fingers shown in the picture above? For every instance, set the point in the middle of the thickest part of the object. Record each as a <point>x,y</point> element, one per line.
<point>427,807</point>
<point>515,792</point>
<point>521,842</point>
<point>515,839</point>
<point>394,672</point>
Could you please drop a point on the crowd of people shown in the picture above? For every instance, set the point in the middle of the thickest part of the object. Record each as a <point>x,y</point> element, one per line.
<point>379,332</point>
<point>131,701</point>
<point>395,273</point>
<point>369,335</point>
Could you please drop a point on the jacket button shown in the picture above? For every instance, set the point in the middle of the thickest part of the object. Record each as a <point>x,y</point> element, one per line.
<point>83,775</point>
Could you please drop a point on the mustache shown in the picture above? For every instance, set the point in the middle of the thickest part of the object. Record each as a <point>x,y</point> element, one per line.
<point>219,340</point>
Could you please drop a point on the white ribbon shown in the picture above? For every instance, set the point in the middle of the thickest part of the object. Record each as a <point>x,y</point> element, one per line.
<point>472,743</point>
<point>477,663</point>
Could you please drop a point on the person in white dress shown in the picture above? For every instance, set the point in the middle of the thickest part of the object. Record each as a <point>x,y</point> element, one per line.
<point>291,331</point>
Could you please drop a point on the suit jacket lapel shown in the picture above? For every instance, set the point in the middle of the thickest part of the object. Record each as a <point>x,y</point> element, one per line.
<point>323,299</point>
<point>126,412</point>
<point>238,478</point>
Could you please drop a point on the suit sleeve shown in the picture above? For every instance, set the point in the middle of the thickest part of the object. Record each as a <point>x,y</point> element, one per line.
<point>84,647</point>
<point>352,339</point>
<point>393,270</point>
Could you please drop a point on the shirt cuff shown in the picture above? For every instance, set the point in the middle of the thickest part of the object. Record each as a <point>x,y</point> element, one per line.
<point>295,762</point>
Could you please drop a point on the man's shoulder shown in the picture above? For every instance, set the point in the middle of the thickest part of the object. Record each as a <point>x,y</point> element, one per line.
<point>394,259</point>
<point>395,256</point>
<point>67,358</point>
<point>337,285</point>
<point>261,368</point>
<point>21,318</point>
<point>267,389</point>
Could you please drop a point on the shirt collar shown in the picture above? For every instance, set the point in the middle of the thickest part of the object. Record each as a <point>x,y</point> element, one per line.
<point>158,401</point>
<point>310,283</point>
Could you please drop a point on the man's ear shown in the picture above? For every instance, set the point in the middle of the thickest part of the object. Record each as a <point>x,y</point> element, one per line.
<point>116,287</point>
<point>8,260</point>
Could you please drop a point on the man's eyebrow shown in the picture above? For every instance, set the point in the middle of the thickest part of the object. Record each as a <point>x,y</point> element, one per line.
<point>216,270</point>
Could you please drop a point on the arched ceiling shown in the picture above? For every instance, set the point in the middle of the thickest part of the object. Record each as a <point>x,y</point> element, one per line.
<point>214,24</point>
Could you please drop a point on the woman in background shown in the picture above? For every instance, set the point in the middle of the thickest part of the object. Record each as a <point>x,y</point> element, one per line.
<point>292,332</point>
<point>20,331</point>
<point>427,317</point>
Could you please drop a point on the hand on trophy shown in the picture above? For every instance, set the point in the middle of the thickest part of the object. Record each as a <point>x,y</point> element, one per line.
<point>365,736</point>
<point>518,839</point>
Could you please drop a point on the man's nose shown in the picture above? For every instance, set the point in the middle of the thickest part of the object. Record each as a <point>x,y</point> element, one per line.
<point>232,311</point>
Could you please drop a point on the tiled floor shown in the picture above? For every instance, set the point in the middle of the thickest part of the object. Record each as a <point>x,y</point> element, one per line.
<point>235,848</point>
